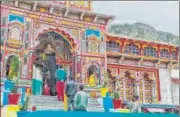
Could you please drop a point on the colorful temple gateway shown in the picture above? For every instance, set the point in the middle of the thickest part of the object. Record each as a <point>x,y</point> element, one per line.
<point>43,35</point>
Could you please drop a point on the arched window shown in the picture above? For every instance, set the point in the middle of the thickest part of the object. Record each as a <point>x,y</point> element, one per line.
<point>164,53</point>
<point>113,46</point>
<point>93,46</point>
<point>16,33</point>
<point>132,49</point>
<point>173,55</point>
<point>150,51</point>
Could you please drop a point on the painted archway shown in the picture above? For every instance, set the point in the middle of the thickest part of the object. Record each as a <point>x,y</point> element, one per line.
<point>62,48</point>
<point>61,33</point>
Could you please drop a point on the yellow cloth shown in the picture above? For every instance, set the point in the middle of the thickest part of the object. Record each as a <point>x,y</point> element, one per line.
<point>65,103</point>
<point>12,111</point>
<point>92,80</point>
<point>124,110</point>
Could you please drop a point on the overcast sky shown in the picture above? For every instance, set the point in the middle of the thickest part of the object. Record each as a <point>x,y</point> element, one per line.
<point>163,15</point>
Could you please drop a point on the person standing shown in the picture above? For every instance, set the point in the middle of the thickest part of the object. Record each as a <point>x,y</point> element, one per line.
<point>81,99</point>
<point>135,105</point>
<point>60,77</point>
<point>70,90</point>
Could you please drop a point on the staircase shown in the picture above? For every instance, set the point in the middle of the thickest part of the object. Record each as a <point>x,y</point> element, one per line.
<point>43,102</point>
<point>94,105</point>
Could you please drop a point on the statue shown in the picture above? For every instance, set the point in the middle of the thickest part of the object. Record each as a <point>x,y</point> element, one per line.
<point>92,80</point>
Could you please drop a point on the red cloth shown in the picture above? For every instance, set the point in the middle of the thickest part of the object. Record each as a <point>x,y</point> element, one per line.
<point>46,90</point>
<point>60,90</point>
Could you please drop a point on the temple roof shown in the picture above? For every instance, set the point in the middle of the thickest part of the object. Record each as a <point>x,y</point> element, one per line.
<point>141,31</point>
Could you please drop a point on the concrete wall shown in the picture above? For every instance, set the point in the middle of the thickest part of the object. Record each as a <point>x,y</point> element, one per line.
<point>175,87</point>
<point>165,86</point>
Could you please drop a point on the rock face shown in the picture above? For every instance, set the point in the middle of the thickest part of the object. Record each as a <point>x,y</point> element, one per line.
<point>143,32</point>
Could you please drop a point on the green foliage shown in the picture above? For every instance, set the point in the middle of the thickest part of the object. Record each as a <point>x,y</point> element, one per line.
<point>116,95</point>
<point>25,105</point>
<point>14,68</point>
<point>15,89</point>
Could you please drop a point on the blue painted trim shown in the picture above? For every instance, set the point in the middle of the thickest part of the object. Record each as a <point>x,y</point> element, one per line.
<point>90,32</point>
<point>13,17</point>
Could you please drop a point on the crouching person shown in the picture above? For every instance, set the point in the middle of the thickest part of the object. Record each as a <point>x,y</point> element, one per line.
<point>81,99</point>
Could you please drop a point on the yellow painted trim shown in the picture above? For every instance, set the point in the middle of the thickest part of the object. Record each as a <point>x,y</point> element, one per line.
<point>33,16</point>
<point>19,24</point>
<point>67,23</point>
<point>118,41</point>
<point>49,20</point>
<point>174,49</point>
<point>135,43</point>
<point>16,12</point>
<point>79,25</point>
<point>166,48</point>
<point>93,27</point>
<point>42,10</point>
<point>144,46</point>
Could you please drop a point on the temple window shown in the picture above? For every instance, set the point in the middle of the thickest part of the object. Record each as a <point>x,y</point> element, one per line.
<point>16,33</point>
<point>173,55</point>
<point>150,51</point>
<point>93,46</point>
<point>132,49</point>
<point>113,46</point>
<point>164,53</point>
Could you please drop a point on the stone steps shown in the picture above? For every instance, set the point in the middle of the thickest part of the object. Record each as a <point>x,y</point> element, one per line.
<point>45,103</point>
<point>51,103</point>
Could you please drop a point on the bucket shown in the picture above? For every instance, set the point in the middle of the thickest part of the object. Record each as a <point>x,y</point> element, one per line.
<point>13,99</point>
<point>117,103</point>
<point>107,103</point>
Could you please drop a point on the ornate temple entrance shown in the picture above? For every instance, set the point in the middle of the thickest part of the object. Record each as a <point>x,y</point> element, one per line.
<point>53,49</point>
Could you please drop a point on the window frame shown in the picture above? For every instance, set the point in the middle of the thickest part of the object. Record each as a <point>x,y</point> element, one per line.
<point>150,51</point>
<point>132,48</point>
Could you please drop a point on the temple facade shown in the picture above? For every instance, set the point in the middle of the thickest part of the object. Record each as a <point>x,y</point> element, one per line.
<point>77,39</point>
